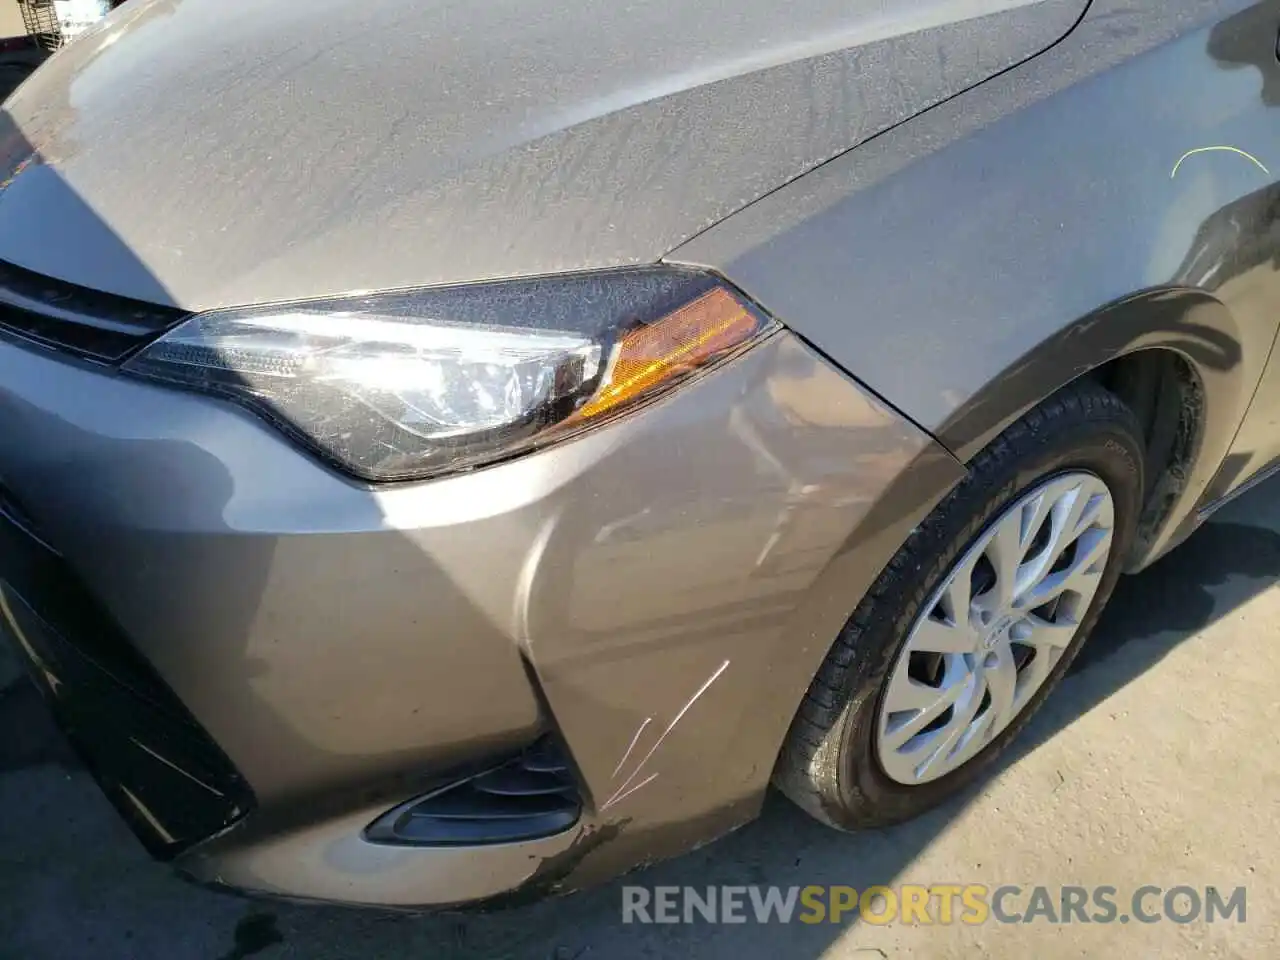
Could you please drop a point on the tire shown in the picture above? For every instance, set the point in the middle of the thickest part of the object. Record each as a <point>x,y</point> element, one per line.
<point>829,764</point>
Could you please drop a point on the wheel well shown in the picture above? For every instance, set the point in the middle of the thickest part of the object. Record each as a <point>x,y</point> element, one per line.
<point>1167,397</point>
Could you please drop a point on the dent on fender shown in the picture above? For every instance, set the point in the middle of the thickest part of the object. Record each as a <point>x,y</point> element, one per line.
<point>794,488</point>
<point>667,718</point>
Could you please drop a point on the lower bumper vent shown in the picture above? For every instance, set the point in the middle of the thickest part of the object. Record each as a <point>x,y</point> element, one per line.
<point>529,797</point>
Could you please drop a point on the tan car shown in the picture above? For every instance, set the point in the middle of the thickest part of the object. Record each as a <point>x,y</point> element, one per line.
<point>453,452</point>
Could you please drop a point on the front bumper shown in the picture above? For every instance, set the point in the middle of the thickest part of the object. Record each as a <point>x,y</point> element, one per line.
<point>656,595</point>
<point>163,773</point>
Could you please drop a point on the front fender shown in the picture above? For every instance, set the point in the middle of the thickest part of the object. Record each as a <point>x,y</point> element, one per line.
<point>1112,194</point>
<point>1189,322</point>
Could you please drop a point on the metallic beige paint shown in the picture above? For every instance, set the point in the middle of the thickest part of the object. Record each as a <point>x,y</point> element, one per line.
<point>223,152</point>
<point>673,609</point>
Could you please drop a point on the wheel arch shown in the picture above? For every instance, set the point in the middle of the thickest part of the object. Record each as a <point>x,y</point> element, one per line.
<point>1176,354</point>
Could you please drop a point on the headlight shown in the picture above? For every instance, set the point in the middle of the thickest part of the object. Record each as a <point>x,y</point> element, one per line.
<point>412,384</point>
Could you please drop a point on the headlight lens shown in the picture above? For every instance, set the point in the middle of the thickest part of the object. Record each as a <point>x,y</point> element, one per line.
<point>413,384</point>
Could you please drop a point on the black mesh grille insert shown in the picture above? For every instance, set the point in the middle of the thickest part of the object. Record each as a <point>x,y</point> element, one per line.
<point>531,796</point>
<point>63,315</point>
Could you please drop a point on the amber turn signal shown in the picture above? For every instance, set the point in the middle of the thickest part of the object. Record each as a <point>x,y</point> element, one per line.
<point>701,331</point>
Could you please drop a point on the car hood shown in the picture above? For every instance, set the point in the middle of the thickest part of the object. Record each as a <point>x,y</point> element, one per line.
<point>205,153</point>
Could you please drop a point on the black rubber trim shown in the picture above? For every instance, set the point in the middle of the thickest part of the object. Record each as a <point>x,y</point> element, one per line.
<point>88,323</point>
<point>165,775</point>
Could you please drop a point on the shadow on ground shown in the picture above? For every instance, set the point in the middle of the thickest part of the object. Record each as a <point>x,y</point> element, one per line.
<point>1227,563</point>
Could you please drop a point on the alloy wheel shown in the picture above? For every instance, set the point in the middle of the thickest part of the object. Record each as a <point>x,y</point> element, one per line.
<point>992,633</point>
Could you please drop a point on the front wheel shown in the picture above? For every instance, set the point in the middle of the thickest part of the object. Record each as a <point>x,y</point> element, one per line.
<point>975,619</point>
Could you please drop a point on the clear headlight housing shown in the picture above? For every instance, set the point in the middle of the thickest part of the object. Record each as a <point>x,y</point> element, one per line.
<point>413,384</point>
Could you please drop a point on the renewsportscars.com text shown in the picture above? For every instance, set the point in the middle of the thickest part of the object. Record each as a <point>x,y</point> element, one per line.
<point>934,904</point>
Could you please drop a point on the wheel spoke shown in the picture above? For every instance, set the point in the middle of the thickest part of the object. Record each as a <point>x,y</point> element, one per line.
<point>1086,504</point>
<point>1041,633</point>
<point>1060,523</point>
<point>953,734</point>
<point>1080,577</point>
<point>1044,508</point>
<point>957,595</point>
<point>1037,671</point>
<point>900,733</point>
<point>904,693</point>
<point>1002,684</point>
<point>1034,515</point>
<point>1070,512</point>
<point>931,636</point>
<point>1092,547</point>
<point>1005,551</point>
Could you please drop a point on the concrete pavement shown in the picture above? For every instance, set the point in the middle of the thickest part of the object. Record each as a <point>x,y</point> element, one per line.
<point>1157,762</point>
